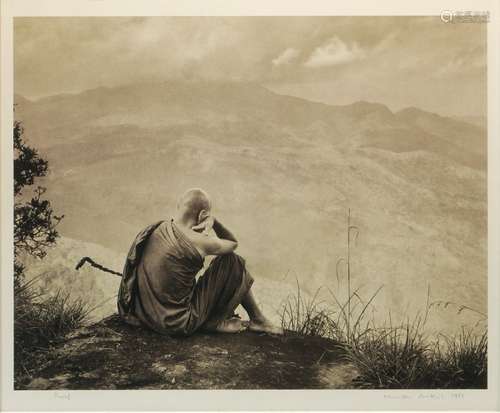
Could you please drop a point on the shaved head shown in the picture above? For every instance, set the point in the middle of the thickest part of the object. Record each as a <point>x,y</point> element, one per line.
<point>192,202</point>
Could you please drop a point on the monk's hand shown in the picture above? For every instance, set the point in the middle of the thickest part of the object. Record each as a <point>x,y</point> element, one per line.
<point>205,226</point>
<point>209,223</point>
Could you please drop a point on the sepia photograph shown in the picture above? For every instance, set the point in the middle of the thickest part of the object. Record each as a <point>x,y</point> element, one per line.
<point>250,202</point>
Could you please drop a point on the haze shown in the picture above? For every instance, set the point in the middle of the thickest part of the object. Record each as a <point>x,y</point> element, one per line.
<point>399,61</point>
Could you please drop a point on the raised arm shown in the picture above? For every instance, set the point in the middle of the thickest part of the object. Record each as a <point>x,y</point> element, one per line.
<point>223,243</point>
<point>223,232</point>
<point>212,245</point>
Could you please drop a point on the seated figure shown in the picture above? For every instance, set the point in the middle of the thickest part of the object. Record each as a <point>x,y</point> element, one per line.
<point>159,287</point>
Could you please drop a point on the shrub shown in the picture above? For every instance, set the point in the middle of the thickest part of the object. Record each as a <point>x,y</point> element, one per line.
<point>34,220</point>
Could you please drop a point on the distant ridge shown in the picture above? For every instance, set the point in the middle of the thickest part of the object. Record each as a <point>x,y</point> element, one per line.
<point>183,89</point>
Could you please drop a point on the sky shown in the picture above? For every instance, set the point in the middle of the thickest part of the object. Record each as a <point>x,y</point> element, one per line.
<point>398,61</point>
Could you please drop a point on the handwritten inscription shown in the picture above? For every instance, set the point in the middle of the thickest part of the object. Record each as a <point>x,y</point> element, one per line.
<point>62,395</point>
<point>424,396</point>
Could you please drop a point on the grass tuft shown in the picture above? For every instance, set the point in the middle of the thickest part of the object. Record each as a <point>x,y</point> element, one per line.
<point>39,321</point>
<point>464,361</point>
<point>308,317</point>
<point>392,357</point>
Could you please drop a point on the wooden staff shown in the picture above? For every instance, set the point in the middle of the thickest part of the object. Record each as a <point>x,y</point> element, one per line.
<point>95,265</point>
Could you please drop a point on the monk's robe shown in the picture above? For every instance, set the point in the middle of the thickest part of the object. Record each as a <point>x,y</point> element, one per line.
<point>159,287</point>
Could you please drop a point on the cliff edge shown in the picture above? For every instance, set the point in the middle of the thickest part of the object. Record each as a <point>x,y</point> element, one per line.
<point>112,355</point>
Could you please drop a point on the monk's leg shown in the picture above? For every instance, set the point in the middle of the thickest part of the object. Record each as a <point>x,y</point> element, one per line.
<point>217,294</point>
<point>251,306</point>
<point>225,285</point>
<point>258,322</point>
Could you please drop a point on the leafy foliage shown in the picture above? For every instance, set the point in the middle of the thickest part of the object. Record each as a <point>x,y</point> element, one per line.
<point>27,163</point>
<point>34,225</point>
<point>34,220</point>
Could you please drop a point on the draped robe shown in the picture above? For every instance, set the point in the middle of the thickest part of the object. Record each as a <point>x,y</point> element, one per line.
<point>159,287</point>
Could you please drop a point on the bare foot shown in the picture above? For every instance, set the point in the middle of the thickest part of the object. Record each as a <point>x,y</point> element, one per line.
<point>265,326</point>
<point>231,325</point>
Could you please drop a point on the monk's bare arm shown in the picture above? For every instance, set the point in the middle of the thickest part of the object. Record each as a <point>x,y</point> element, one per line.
<point>224,242</point>
<point>223,232</point>
<point>212,245</point>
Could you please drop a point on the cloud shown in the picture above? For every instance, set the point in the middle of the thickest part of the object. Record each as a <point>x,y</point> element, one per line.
<point>286,57</point>
<point>387,42</point>
<point>334,52</point>
<point>467,62</point>
<point>422,54</point>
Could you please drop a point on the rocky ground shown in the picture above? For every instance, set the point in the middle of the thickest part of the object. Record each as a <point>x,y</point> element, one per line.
<point>112,355</point>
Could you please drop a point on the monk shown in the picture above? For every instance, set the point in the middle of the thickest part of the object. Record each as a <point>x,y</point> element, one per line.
<point>159,288</point>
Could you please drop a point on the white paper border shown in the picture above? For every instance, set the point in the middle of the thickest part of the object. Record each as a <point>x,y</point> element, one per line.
<point>182,400</point>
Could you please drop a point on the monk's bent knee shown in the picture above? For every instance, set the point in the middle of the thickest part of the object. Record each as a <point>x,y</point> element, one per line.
<point>228,264</point>
<point>231,258</point>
